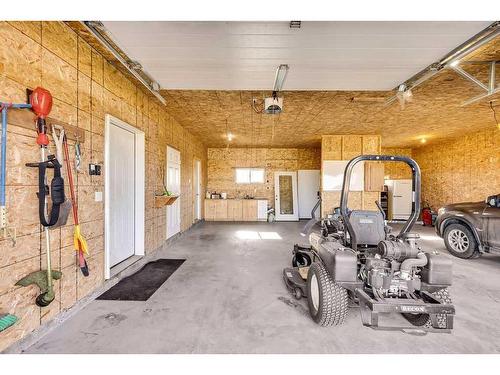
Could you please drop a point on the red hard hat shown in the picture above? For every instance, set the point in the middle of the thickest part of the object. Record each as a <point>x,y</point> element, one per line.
<point>41,102</point>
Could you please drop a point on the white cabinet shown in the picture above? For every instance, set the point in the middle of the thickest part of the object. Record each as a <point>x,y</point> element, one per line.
<point>333,175</point>
<point>262,210</point>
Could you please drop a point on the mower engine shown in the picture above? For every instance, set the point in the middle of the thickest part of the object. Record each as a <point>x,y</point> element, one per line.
<point>393,270</point>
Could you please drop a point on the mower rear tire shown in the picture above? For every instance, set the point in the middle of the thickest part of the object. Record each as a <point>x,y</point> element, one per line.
<point>327,301</point>
<point>419,320</point>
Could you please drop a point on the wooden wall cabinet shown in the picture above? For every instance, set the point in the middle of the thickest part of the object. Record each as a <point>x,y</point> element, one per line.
<point>374,176</point>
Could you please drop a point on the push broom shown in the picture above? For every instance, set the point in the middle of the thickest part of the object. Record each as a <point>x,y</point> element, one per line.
<point>79,241</point>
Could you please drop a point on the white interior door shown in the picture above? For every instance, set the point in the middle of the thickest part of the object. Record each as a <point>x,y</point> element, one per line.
<point>197,189</point>
<point>121,193</point>
<point>173,184</point>
<point>285,195</point>
<point>308,182</point>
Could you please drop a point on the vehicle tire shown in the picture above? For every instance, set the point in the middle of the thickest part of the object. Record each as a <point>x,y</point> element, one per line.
<point>460,241</point>
<point>420,320</point>
<point>301,260</point>
<point>327,301</point>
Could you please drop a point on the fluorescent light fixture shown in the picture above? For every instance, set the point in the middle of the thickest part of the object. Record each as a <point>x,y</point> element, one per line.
<point>281,74</point>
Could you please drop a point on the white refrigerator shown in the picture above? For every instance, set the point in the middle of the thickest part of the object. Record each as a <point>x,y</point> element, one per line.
<point>400,198</point>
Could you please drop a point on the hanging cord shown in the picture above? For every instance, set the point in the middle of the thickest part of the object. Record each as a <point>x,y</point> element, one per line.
<point>494,114</point>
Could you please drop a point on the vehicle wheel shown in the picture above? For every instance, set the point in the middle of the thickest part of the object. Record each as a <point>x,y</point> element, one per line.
<point>420,320</point>
<point>460,241</point>
<point>327,300</point>
<point>301,260</point>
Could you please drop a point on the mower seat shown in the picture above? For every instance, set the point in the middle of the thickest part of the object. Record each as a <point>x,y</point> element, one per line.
<point>369,227</point>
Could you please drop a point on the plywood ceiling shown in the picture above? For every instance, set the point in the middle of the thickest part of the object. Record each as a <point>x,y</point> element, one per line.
<point>322,55</point>
<point>435,113</point>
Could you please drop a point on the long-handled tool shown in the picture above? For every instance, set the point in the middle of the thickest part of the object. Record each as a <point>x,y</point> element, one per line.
<point>3,169</point>
<point>41,103</point>
<point>79,241</point>
<point>6,320</point>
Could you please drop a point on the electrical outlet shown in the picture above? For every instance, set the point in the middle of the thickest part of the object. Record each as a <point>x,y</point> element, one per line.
<point>3,217</point>
<point>94,169</point>
<point>98,196</point>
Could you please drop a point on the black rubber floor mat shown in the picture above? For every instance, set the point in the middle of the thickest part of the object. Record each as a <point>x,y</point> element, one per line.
<point>142,284</point>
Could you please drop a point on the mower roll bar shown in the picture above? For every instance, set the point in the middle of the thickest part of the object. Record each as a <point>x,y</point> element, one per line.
<point>415,206</point>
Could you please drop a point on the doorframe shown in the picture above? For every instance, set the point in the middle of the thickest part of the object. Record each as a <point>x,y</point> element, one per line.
<point>139,189</point>
<point>287,217</point>
<point>167,236</point>
<point>298,189</point>
<point>197,174</point>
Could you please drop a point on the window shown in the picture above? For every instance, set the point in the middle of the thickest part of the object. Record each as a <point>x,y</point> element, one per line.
<point>249,175</point>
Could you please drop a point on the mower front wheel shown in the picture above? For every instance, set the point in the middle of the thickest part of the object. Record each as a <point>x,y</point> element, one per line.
<point>327,301</point>
<point>301,260</point>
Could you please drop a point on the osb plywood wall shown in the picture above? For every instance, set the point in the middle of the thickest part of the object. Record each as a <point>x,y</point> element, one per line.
<point>222,161</point>
<point>346,147</point>
<point>464,169</point>
<point>397,171</point>
<point>85,87</point>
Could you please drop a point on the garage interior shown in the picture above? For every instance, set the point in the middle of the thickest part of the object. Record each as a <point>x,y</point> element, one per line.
<point>188,100</point>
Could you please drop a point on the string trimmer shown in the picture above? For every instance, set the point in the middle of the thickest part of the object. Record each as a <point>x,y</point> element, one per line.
<point>41,103</point>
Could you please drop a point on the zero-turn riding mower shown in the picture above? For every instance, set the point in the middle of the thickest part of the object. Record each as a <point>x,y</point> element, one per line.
<point>355,257</point>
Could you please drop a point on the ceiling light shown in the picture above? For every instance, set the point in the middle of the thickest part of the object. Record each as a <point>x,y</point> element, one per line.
<point>454,63</point>
<point>423,140</point>
<point>229,137</point>
<point>280,77</point>
<point>295,24</point>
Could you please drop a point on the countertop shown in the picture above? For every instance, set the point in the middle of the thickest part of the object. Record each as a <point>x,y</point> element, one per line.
<point>237,199</point>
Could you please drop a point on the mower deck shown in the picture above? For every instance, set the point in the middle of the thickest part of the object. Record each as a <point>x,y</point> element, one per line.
<point>295,282</point>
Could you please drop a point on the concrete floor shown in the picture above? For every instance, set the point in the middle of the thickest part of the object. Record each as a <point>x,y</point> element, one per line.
<point>229,297</point>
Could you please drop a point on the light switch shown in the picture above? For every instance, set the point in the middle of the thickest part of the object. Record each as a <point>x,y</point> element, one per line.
<point>98,196</point>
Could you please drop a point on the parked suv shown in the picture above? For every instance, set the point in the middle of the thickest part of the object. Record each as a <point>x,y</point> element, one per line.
<point>471,228</point>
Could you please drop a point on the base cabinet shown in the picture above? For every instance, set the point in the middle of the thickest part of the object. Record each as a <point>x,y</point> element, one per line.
<point>234,209</point>
<point>249,210</point>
